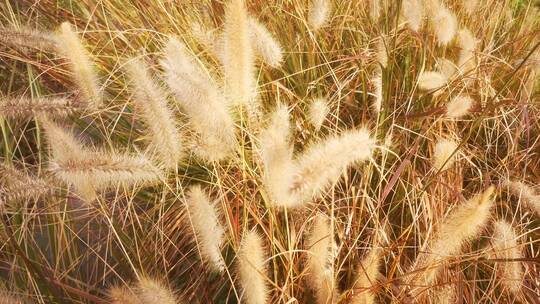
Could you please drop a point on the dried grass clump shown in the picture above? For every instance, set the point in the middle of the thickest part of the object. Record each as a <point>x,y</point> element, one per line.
<point>164,161</point>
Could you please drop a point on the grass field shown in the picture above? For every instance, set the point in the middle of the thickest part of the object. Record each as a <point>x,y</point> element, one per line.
<point>282,151</point>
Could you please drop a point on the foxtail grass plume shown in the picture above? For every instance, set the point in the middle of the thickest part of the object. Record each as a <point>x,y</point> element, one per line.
<point>17,185</point>
<point>265,44</point>
<point>318,111</point>
<point>84,70</point>
<point>62,143</point>
<point>90,170</point>
<point>430,81</point>
<point>444,23</point>
<point>377,84</point>
<point>413,12</point>
<point>319,14</point>
<point>152,291</point>
<point>97,171</point>
<point>202,100</point>
<point>28,38</point>
<point>446,67</point>
<point>444,295</point>
<point>322,164</point>
<point>252,269</point>
<point>123,295</point>
<point>381,52</point>
<point>276,154</point>
<point>462,224</point>
<point>506,247</point>
<point>206,226</point>
<point>467,43</point>
<point>528,196</point>
<point>151,102</point>
<point>459,106</point>
<point>444,154</point>
<point>27,107</point>
<point>320,248</point>
<point>368,273</point>
<point>238,56</point>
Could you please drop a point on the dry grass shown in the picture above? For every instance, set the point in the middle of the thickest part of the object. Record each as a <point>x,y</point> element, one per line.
<point>369,60</point>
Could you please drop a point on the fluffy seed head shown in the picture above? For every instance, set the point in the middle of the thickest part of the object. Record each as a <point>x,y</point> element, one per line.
<point>26,107</point>
<point>265,44</point>
<point>429,81</point>
<point>152,291</point>
<point>150,100</point>
<point>319,14</point>
<point>318,110</point>
<point>276,154</point>
<point>467,43</point>
<point>463,224</point>
<point>238,56</point>
<point>367,277</point>
<point>122,295</point>
<point>443,154</point>
<point>252,269</point>
<point>506,247</point>
<point>18,185</point>
<point>528,196</point>
<point>446,67</point>
<point>377,84</point>
<point>413,12</point>
<point>319,262</point>
<point>28,38</point>
<point>444,24</point>
<point>444,295</point>
<point>202,100</point>
<point>84,71</point>
<point>459,106</point>
<point>95,171</point>
<point>382,52</point>
<point>323,163</point>
<point>206,226</point>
